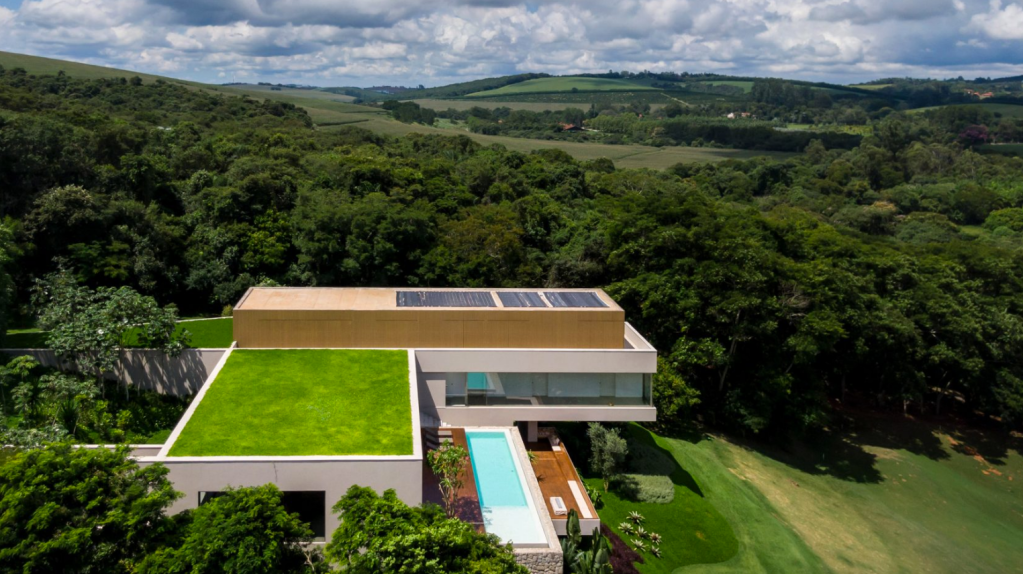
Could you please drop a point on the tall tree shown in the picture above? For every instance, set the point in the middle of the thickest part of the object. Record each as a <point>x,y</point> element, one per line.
<point>607,451</point>
<point>94,327</point>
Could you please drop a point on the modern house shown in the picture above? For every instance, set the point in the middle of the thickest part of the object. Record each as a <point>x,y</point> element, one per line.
<point>329,387</point>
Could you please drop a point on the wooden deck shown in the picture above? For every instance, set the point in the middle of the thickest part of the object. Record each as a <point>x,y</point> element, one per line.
<point>555,471</point>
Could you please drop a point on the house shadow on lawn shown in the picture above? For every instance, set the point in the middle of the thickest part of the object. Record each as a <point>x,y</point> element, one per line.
<point>574,437</point>
<point>656,461</point>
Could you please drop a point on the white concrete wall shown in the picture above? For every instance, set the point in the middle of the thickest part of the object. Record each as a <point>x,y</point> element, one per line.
<point>147,369</point>
<point>537,360</point>
<point>333,477</point>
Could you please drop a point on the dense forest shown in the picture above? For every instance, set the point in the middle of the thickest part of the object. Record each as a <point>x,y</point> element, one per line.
<point>890,274</point>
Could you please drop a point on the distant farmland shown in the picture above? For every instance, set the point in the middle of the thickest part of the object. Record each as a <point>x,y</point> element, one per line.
<point>461,105</point>
<point>746,86</point>
<point>871,86</point>
<point>1006,110</point>
<point>564,84</point>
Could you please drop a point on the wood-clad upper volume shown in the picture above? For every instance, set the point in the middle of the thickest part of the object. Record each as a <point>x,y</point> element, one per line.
<point>338,317</point>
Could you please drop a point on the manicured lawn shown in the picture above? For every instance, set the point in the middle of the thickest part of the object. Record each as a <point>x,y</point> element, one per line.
<point>885,495</point>
<point>206,334</point>
<point>25,339</point>
<point>303,402</point>
<point>693,530</point>
<point>209,333</point>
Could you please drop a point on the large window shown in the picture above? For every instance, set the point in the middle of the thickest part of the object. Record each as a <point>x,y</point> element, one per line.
<point>548,389</point>
<point>310,505</point>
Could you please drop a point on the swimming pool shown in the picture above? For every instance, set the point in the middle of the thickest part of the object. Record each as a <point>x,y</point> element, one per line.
<point>508,510</point>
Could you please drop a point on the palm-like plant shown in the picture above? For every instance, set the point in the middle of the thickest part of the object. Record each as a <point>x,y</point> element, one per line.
<point>656,551</point>
<point>596,560</point>
<point>636,517</point>
<point>626,527</point>
<point>641,532</point>
<point>655,538</point>
<point>639,545</point>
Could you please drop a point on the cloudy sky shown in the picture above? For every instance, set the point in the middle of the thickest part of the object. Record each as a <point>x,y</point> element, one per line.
<point>408,42</point>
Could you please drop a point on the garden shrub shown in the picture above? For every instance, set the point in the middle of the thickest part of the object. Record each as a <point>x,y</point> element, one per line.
<point>653,488</point>
<point>649,479</point>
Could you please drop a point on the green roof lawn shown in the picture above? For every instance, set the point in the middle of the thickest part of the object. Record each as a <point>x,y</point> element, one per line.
<point>303,402</point>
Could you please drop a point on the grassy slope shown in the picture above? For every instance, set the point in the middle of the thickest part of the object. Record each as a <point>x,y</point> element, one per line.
<point>693,530</point>
<point>49,66</point>
<point>888,495</point>
<point>303,402</point>
<point>206,334</point>
<point>323,110</point>
<point>266,91</point>
<point>899,497</point>
<point>563,84</point>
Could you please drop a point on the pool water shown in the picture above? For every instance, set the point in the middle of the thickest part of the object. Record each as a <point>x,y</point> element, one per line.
<point>507,511</point>
<point>476,381</point>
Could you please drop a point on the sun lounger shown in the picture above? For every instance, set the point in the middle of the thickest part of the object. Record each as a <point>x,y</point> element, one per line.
<point>559,506</point>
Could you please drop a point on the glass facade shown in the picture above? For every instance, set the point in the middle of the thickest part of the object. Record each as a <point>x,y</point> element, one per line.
<point>548,389</point>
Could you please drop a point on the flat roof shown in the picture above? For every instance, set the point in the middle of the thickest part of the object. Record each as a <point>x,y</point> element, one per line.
<point>303,402</point>
<point>386,298</point>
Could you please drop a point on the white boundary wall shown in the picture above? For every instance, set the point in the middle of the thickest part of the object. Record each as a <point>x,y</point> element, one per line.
<point>146,369</point>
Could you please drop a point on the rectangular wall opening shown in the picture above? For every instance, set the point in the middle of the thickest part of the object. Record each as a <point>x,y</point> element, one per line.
<point>310,505</point>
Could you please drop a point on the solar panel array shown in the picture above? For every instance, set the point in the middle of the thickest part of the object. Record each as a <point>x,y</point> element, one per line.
<point>445,299</point>
<point>562,299</point>
<point>521,299</point>
<point>573,299</point>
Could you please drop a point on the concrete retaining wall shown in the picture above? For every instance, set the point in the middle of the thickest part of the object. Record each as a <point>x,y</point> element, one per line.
<point>147,369</point>
<point>333,477</point>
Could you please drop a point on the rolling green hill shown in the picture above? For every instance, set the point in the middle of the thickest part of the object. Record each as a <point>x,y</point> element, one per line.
<point>329,110</point>
<point>449,91</point>
<point>563,84</point>
<point>49,66</point>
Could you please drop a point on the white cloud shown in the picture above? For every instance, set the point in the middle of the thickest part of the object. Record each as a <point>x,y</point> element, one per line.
<point>1000,22</point>
<point>406,42</point>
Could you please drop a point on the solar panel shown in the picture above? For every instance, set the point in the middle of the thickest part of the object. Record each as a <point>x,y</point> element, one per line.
<point>521,299</point>
<point>445,299</point>
<point>573,299</point>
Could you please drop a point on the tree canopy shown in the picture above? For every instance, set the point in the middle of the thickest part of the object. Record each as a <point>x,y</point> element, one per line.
<point>65,509</point>
<point>380,533</point>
